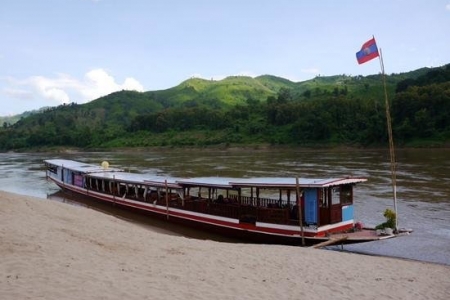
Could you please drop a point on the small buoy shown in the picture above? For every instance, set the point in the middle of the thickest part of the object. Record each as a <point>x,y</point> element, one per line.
<point>105,164</point>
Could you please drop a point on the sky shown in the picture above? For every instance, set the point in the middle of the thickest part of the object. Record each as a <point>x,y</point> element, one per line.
<point>62,51</point>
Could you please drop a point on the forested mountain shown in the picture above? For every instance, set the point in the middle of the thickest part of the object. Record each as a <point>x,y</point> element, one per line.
<point>239,110</point>
<point>7,121</point>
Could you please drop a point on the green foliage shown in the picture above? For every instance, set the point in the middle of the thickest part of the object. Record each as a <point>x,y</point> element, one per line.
<point>422,112</point>
<point>391,218</point>
<point>224,93</point>
<point>334,110</point>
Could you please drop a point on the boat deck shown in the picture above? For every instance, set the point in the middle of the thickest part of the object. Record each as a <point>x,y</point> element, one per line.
<point>365,234</point>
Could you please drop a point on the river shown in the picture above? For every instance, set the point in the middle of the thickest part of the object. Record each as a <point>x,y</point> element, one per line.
<point>423,189</point>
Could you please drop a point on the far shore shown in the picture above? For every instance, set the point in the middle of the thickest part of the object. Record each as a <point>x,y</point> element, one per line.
<point>222,147</point>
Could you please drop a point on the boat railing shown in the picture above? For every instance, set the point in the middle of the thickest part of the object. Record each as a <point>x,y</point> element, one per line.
<point>273,215</point>
<point>250,209</point>
<point>261,202</point>
<point>233,210</point>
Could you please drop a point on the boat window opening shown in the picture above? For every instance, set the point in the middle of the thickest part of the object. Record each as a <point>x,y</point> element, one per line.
<point>142,192</point>
<point>111,187</point>
<point>52,169</point>
<point>258,202</point>
<point>119,189</point>
<point>93,184</point>
<point>346,194</point>
<point>323,198</point>
<point>335,195</point>
<point>152,195</point>
<point>179,193</point>
<point>135,191</point>
<point>212,193</point>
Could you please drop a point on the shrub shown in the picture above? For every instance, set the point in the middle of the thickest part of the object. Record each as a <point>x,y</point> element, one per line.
<point>391,218</point>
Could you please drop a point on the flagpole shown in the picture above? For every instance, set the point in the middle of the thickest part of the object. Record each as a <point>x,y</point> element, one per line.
<point>391,141</point>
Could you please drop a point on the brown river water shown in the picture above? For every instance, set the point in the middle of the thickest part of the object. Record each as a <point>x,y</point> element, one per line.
<point>423,186</point>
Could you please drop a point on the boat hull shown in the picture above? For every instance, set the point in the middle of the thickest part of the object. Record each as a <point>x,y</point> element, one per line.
<point>231,228</point>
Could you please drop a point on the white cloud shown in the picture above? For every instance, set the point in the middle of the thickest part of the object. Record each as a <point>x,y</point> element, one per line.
<point>99,83</point>
<point>18,94</point>
<point>65,89</point>
<point>310,71</point>
<point>447,7</point>
<point>132,84</point>
<point>51,89</point>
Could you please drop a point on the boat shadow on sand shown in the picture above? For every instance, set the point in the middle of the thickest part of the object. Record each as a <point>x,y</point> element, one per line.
<point>138,219</point>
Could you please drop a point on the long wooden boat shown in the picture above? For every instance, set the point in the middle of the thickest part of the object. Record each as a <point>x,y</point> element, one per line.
<point>264,210</point>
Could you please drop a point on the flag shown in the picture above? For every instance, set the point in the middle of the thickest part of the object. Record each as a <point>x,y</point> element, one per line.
<point>368,51</point>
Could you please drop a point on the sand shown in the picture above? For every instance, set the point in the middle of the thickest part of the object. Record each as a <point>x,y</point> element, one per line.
<point>52,250</point>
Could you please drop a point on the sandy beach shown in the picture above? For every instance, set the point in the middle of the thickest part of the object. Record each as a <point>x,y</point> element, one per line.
<point>52,250</point>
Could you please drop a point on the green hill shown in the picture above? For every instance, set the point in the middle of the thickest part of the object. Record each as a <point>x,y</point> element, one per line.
<point>328,110</point>
<point>10,120</point>
<point>218,93</point>
<point>274,83</point>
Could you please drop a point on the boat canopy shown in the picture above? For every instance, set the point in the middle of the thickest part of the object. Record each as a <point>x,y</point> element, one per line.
<point>271,182</point>
<point>79,166</point>
<point>285,182</point>
<point>134,178</point>
<point>98,172</point>
<point>215,182</point>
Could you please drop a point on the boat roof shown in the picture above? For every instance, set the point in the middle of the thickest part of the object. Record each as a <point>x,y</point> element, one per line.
<point>80,166</point>
<point>144,179</point>
<point>270,182</point>
<point>290,182</point>
<point>217,182</point>
<point>114,173</point>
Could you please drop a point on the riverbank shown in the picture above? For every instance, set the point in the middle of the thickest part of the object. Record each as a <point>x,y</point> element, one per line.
<point>430,145</point>
<point>53,250</point>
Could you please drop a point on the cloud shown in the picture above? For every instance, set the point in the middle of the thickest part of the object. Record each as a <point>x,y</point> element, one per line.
<point>18,94</point>
<point>51,89</point>
<point>310,71</point>
<point>64,88</point>
<point>99,83</point>
<point>447,7</point>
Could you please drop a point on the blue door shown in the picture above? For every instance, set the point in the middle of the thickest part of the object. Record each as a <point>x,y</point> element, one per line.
<point>311,206</point>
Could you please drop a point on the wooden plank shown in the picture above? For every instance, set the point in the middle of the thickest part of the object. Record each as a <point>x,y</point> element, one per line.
<point>330,242</point>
